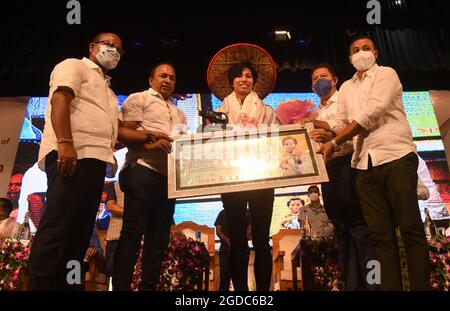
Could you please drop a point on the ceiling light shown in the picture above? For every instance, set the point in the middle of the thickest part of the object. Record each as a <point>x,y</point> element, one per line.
<point>280,35</point>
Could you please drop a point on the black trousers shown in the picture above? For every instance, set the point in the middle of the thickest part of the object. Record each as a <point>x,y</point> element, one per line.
<point>226,268</point>
<point>111,247</point>
<point>388,194</point>
<point>66,226</point>
<point>342,206</point>
<point>260,206</point>
<point>147,212</point>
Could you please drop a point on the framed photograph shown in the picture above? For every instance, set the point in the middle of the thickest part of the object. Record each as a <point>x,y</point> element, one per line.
<point>241,160</point>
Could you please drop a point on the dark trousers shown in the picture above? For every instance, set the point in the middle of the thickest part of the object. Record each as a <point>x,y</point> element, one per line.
<point>260,206</point>
<point>342,206</point>
<point>226,268</point>
<point>66,226</point>
<point>388,195</point>
<point>111,247</point>
<point>147,212</point>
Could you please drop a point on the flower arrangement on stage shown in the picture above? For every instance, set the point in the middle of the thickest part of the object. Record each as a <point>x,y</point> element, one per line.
<point>439,252</point>
<point>292,111</point>
<point>320,264</point>
<point>183,265</point>
<point>327,278</point>
<point>13,263</point>
<point>440,263</point>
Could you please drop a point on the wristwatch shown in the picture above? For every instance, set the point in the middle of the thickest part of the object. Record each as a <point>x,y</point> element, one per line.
<point>335,145</point>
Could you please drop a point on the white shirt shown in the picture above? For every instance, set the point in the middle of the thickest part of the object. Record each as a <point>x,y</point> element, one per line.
<point>326,113</point>
<point>34,180</point>
<point>422,191</point>
<point>93,111</point>
<point>154,113</point>
<point>425,176</point>
<point>434,201</point>
<point>375,103</point>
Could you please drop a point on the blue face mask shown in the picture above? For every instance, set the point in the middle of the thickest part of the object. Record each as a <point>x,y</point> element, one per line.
<point>322,87</point>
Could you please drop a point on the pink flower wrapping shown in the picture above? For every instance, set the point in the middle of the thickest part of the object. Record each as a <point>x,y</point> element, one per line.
<point>292,111</point>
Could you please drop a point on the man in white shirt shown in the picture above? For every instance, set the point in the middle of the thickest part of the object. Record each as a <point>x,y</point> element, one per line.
<point>81,126</point>
<point>385,157</point>
<point>34,180</point>
<point>341,201</point>
<point>148,118</point>
<point>432,199</point>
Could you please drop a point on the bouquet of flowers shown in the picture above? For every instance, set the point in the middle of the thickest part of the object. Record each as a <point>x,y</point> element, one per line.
<point>292,111</point>
<point>13,263</point>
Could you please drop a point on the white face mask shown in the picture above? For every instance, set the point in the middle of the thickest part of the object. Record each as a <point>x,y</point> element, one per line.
<point>108,57</point>
<point>363,60</point>
<point>313,196</point>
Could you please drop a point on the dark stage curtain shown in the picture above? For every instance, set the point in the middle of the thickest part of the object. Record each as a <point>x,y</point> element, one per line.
<point>404,49</point>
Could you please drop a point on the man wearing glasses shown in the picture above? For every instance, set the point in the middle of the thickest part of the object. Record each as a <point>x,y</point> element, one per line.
<point>81,126</point>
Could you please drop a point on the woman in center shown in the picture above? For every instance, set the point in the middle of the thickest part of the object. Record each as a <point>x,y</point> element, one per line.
<point>245,108</point>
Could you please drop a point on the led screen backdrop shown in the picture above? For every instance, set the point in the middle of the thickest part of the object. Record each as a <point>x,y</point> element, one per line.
<point>418,108</point>
<point>28,183</point>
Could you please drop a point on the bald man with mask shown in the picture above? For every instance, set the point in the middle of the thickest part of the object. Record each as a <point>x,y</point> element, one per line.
<point>81,127</point>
